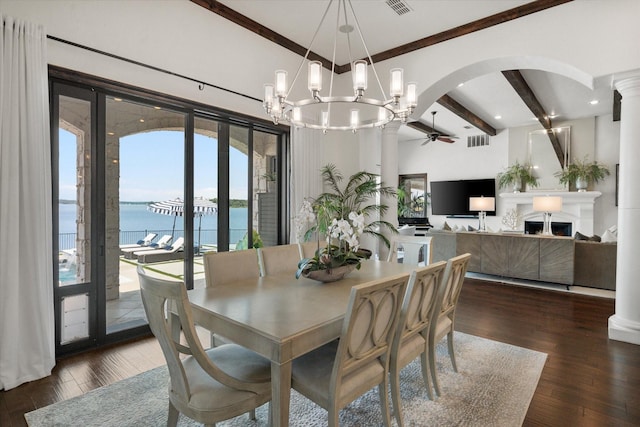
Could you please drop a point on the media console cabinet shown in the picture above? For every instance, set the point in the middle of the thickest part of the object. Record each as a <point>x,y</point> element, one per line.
<point>521,256</point>
<point>553,259</point>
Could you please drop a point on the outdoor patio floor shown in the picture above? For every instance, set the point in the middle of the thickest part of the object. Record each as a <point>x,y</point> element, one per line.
<point>127,311</point>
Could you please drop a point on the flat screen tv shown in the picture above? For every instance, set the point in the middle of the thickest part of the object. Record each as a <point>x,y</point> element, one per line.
<point>451,198</point>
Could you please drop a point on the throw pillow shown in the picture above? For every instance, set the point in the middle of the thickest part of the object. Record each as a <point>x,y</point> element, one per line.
<point>595,238</point>
<point>580,236</point>
<point>470,228</point>
<point>608,237</point>
<point>446,226</point>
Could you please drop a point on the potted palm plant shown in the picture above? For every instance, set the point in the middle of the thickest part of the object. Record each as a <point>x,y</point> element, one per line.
<point>339,214</point>
<point>518,176</point>
<point>582,172</point>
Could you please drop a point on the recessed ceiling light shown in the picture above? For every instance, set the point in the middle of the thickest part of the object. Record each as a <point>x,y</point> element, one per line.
<point>498,117</point>
<point>141,120</point>
<point>110,133</point>
<point>553,116</point>
<point>157,108</point>
<point>594,102</point>
<point>117,99</point>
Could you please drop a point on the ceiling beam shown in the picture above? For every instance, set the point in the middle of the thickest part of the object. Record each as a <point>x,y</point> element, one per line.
<point>517,81</point>
<point>421,127</point>
<point>461,111</point>
<point>477,25</point>
<point>471,27</point>
<point>259,29</point>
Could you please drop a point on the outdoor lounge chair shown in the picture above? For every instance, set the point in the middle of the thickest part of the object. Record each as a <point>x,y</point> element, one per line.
<point>158,255</point>
<point>129,253</point>
<point>141,243</point>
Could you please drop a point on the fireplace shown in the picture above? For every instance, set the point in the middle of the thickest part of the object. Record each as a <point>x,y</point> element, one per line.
<point>557,228</point>
<point>577,209</point>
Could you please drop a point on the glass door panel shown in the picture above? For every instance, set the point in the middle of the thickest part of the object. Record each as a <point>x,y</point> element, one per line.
<point>75,275</point>
<point>144,198</point>
<point>239,190</point>
<point>205,190</point>
<point>265,187</point>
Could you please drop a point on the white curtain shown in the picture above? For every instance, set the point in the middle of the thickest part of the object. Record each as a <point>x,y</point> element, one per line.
<point>27,346</point>
<point>306,162</point>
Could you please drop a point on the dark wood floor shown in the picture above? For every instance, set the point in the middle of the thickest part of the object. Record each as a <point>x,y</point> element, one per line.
<point>588,380</point>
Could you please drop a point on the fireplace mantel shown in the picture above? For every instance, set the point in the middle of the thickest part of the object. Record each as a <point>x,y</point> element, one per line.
<point>577,207</point>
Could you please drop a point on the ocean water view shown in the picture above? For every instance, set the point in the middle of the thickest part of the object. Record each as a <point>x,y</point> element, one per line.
<point>136,221</point>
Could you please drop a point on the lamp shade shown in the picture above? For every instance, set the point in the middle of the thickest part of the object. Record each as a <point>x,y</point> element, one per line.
<point>547,204</point>
<point>482,204</point>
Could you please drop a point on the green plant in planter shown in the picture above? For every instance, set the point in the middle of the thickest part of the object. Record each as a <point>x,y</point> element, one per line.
<point>410,205</point>
<point>517,175</point>
<point>357,195</point>
<point>582,172</point>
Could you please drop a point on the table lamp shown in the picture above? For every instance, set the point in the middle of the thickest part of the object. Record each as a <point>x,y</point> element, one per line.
<point>482,205</point>
<point>547,205</point>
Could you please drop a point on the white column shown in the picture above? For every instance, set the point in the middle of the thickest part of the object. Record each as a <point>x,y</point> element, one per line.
<point>389,175</point>
<point>624,325</point>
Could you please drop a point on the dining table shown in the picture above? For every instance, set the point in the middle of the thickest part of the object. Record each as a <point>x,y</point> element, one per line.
<point>281,317</point>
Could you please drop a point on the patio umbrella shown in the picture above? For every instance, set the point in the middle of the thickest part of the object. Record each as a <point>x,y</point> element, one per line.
<point>175,208</point>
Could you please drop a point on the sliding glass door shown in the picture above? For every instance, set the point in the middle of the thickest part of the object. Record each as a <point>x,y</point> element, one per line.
<point>76,238</point>
<point>144,167</point>
<point>148,182</point>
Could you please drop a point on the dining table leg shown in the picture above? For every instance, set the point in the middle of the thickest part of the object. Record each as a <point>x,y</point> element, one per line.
<point>280,393</point>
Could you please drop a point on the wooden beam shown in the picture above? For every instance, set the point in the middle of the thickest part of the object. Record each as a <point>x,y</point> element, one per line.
<point>421,127</point>
<point>477,25</point>
<point>519,84</point>
<point>461,111</point>
<point>259,29</point>
<point>471,27</point>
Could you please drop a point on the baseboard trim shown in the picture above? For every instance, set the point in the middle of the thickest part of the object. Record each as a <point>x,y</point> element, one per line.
<point>623,330</point>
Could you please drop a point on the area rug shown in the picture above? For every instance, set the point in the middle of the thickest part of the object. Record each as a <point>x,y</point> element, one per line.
<point>493,387</point>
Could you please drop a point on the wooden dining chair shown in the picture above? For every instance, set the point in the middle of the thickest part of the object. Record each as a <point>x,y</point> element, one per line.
<point>448,301</point>
<point>206,386</point>
<point>223,268</point>
<point>337,373</point>
<point>279,259</point>
<point>412,338</point>
<point>308,249</point>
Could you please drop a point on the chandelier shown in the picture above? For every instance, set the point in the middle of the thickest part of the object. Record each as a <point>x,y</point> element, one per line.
<point>347,112</point>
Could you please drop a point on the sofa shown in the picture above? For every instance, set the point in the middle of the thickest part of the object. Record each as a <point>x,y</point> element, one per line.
<point>592,264</point>
<point>595,264</point>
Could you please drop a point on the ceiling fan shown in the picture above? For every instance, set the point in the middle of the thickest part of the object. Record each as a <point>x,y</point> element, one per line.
<point>432,132</point>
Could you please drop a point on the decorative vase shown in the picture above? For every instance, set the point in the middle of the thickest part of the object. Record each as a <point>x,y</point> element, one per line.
<point>327,276</point>
<point>581,184</point>
<point>517,185</point>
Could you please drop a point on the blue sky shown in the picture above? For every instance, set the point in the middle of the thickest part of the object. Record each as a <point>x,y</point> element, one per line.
<point>151,167</point>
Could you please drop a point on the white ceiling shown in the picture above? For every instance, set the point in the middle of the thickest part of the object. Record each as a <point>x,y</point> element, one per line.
<point>487,96</point>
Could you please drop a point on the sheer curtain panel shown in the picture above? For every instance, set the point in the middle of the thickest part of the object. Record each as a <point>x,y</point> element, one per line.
<point>306,162</point>
<point>27,343</point>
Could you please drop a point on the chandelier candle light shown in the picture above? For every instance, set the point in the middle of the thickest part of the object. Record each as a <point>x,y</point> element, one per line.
<point>351,112</point>
<point>482,205</point>
<point>547,205</point>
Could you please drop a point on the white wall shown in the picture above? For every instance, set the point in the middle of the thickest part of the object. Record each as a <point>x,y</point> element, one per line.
<point>597,138</point>
<point>443,162</point>
<point>184,38</point>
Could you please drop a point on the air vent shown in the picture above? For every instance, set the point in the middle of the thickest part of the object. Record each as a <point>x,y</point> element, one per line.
<point>478,140</point>
<point>399,6</point>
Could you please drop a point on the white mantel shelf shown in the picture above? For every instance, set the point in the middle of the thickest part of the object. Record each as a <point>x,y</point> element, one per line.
<point>577,207</point>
